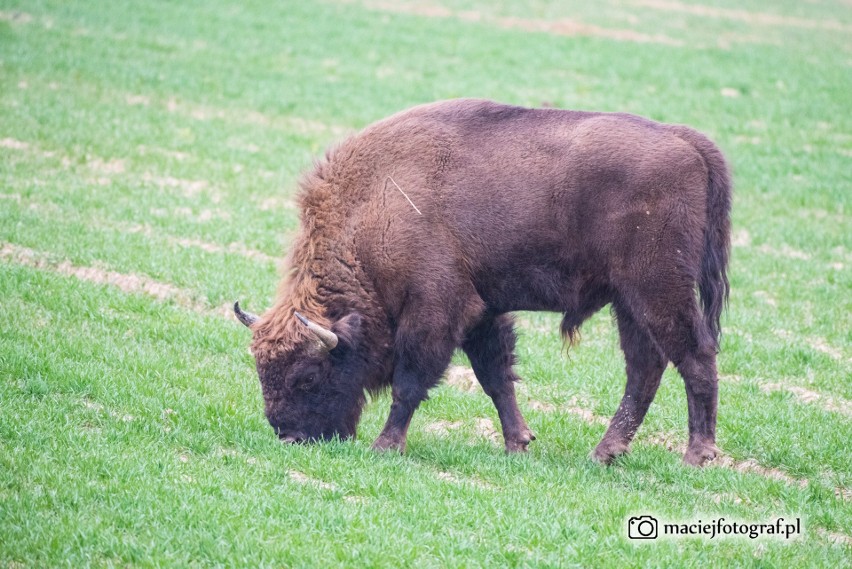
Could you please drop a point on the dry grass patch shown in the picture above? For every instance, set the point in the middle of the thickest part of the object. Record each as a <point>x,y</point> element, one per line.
<point>561,27</point>
<point>816,343</point>
<point>13,144</point>
<point>577,406</point>
<point>302,478</point>
<point>675,444</point>
<point>745,16</point>
<point>784,251</point>
<point>466,481</point>
<point>235,248</point>
<point>128,283</point>
<point>830,404</point>
<point>188,188</point>
<point>244,116</point>
<point>15,17</point>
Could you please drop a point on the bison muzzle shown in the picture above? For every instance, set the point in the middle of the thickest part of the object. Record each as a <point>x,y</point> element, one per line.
<point>420,234</point>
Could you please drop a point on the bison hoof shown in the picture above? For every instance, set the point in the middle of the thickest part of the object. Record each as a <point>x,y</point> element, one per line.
<point>519,443</point>
<point>387,444</point>
<point>700,454</point>
<point>606,451</point>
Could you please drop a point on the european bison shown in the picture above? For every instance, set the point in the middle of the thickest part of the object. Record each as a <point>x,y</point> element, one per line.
<point>421,234</point>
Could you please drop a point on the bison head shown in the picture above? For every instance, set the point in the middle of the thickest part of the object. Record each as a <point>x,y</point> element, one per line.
<point>308,375</point>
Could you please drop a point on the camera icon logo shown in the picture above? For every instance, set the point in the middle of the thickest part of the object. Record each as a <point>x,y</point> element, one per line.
<point>642,527</point>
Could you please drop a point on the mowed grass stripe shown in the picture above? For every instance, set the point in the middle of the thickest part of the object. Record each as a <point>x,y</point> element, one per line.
<point>129,283</point>
<point>178,109</point>
<point>750,17</point>
<point>50,210</point>
<point>674,24</point>
<point>254,157</point>
<point>207,66</point>
<point>236,276</point>
<point>563,27</point>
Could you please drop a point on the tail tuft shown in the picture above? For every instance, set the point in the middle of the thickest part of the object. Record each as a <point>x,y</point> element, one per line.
<point>713,285</point>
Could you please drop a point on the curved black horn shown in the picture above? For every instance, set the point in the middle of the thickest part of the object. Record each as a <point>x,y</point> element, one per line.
<point>326,336</point>
<point>246,318</point>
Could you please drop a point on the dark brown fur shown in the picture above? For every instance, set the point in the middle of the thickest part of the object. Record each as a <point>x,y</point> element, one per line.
<point>519,209</point>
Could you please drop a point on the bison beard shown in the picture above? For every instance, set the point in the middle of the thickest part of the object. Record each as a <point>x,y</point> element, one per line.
<point>420,233</point>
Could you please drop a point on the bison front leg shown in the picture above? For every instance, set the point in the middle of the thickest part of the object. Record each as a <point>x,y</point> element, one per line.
<point>490,347</point>
<point>418,368</point>
<point>405,402</point>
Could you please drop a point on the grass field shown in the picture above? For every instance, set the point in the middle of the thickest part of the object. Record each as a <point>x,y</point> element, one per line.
<point>149,152</point>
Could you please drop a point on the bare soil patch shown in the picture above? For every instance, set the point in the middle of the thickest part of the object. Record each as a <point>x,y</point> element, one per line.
<point>234,247</point>
<point>753,467</point>
<point>443,428</point>
<point>741,238</point>
<point>462,378</point>
<point>676,444</point>
<point>107,167</point>
<point>485,428</point>
<point>13,144</point>
<point>838,538</point>
<point>765,297</point>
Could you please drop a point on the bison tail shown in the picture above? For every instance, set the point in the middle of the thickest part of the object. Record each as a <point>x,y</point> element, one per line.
<point>713,285</point>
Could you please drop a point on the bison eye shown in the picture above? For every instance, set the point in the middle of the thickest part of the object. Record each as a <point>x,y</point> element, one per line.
<point>303,378</point>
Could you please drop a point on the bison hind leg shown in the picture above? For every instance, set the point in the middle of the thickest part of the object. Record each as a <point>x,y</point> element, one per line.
<point>673,318</point>
<point>645,364</point>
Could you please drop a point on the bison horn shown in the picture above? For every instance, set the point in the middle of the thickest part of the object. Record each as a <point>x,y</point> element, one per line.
<point>246,318</point>
<point>326,336</point>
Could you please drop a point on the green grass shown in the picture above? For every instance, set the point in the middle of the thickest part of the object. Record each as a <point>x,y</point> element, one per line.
<point>165,139</point>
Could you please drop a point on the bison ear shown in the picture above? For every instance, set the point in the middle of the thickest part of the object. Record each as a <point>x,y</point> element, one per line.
<point>348,330</point>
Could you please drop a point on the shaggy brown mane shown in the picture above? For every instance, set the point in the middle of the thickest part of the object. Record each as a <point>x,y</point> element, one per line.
<point>320,265</point>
